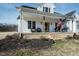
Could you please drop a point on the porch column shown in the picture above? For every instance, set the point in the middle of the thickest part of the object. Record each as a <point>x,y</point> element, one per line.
<point>72,25</point>
<point>43,26</point>
<point>20,23</point>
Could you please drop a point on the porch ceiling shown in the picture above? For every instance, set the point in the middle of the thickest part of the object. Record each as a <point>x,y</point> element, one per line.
<point>39,17</point>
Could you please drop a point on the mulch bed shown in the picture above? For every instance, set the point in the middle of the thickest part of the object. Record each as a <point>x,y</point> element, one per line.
<point>12,42</point>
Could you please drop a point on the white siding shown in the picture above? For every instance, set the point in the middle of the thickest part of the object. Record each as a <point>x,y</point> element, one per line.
<point>77,24</point>
<point>52,27</point>
<point>25,27</point>
<point>39,25</point>
<point>69,25</point>
<point>74,26</point>
<point>19,26</point>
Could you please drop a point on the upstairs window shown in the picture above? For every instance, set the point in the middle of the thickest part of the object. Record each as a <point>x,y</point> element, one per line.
<point>46,9</point>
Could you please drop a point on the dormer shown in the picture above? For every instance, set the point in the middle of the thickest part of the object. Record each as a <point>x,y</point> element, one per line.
<point>46,7</point>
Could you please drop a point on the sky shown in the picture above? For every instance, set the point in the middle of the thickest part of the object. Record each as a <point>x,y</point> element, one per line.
<point>9,14</point>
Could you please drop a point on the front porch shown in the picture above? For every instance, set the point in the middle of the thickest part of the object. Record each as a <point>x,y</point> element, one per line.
<point>54,35</point>
<point>37,19</point>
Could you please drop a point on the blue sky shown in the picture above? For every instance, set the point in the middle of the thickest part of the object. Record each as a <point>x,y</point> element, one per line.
<point>8,12</point>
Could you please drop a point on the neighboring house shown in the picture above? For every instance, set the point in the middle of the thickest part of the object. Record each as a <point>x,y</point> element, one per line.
<point>43,18</point>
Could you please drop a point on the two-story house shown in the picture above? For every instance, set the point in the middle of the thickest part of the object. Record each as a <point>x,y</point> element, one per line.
<point>43,19</point>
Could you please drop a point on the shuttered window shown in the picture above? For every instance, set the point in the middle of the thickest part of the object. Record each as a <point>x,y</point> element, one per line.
<point>46,9</point>
<point>31,24</point>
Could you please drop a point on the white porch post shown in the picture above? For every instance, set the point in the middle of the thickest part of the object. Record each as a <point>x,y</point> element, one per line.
<point>20,22</point>
<point>72,25</point>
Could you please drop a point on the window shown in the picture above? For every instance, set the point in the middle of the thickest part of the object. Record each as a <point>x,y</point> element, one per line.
<point>31,24</point>
<point>46,9</point>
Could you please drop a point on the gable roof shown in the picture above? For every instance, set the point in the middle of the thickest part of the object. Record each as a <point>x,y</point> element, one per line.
<point>58,14</point>
<point>28,7</point>
<point>34,10</point>
<point>71,13</point>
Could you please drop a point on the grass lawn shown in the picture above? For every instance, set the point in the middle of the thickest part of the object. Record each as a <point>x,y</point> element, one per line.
<point>60,48</point>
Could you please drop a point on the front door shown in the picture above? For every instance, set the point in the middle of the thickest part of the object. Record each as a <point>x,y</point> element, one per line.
<point>46,27</point>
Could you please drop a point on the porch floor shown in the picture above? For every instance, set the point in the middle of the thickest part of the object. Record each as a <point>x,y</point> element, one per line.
<point>37,35</point>
<point>52,35</point>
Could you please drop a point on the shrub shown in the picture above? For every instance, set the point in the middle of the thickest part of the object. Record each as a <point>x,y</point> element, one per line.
<point>69,37</point>
<point>20,53</point>
<point>43,38</point>
<point>8,37</point>
<point>29,53</point>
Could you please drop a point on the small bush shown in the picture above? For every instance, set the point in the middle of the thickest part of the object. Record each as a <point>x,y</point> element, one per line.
<point>24,53</point>
<point>14,36</point>
<point>29,53</point>
<point>8,37</point>
<point>20,53</point>
<point>69,37</point>
<point>44,38</point>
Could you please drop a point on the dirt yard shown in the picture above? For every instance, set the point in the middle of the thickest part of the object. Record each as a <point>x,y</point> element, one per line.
<point>60,48</point>
<point>4,34</point>
<point>41,47</point>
